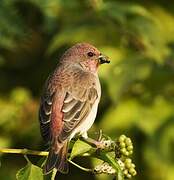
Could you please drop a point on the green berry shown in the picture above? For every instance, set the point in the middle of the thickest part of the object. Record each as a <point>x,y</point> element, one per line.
<point>122,145</point>
<point>126,153</point>
<point>128,176</point>
<point>132,171</point>
<point>131,152</point>
<point>122,138</point>
<point>128,165</point>
<point>125,172</point>
<point>130,147</point>
<point>123,150</point>
<point>133,165</point>
<point>128,161</point>
<point>128,141</point>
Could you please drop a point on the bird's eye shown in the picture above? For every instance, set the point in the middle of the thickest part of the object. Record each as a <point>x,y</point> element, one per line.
<point>90,54</point>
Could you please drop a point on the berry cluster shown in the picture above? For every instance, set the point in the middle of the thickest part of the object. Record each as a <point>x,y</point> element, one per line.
<point>129,169</point>
<point>125,145</point>
<point>124,148</point>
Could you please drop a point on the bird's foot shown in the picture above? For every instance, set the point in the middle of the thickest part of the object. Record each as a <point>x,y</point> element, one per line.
<point>100,143</point>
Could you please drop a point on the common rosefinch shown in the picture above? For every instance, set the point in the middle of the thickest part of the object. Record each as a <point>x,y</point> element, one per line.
<point>69,102</point>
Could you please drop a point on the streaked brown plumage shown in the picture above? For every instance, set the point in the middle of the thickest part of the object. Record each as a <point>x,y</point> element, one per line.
<point>69,101</point>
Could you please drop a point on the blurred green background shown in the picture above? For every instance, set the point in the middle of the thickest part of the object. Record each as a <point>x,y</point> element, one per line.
<point>137,86</point>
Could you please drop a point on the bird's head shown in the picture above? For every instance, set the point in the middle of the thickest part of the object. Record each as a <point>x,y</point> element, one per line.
<point>86,55</point>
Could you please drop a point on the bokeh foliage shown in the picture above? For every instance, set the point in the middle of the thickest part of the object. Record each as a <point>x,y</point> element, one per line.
<point>137,87</point>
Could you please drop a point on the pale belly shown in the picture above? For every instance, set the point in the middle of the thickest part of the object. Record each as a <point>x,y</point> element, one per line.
<point>88,122</point>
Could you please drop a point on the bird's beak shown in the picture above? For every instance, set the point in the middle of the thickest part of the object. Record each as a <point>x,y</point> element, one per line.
<point>103,59</point>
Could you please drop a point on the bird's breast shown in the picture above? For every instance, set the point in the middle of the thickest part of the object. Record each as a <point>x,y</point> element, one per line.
<point>88,122</point>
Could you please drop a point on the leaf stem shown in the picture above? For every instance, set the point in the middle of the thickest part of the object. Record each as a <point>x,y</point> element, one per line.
<point>80,167</point>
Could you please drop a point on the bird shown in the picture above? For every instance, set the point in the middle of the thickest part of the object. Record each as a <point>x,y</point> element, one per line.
<point>69,102</point>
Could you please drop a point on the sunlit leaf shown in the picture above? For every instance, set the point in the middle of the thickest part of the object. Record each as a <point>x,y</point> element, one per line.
<point>79,148</point>
<point>30,172</point>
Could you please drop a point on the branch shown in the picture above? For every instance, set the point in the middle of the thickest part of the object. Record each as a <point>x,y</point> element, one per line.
<point>23,151</point>
<point>37,153</point>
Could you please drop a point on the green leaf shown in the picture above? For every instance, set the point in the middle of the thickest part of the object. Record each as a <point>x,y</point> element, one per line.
<point>30,172</point>
<point>79,148</point>
<point>108,158</point>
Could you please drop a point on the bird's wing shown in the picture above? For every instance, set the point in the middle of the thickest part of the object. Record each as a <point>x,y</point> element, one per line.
<point>45,114</point>
<point>63,109</point>
<point>76,109</point>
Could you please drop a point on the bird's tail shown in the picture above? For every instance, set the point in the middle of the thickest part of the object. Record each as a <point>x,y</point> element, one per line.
<point>57,158</point>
